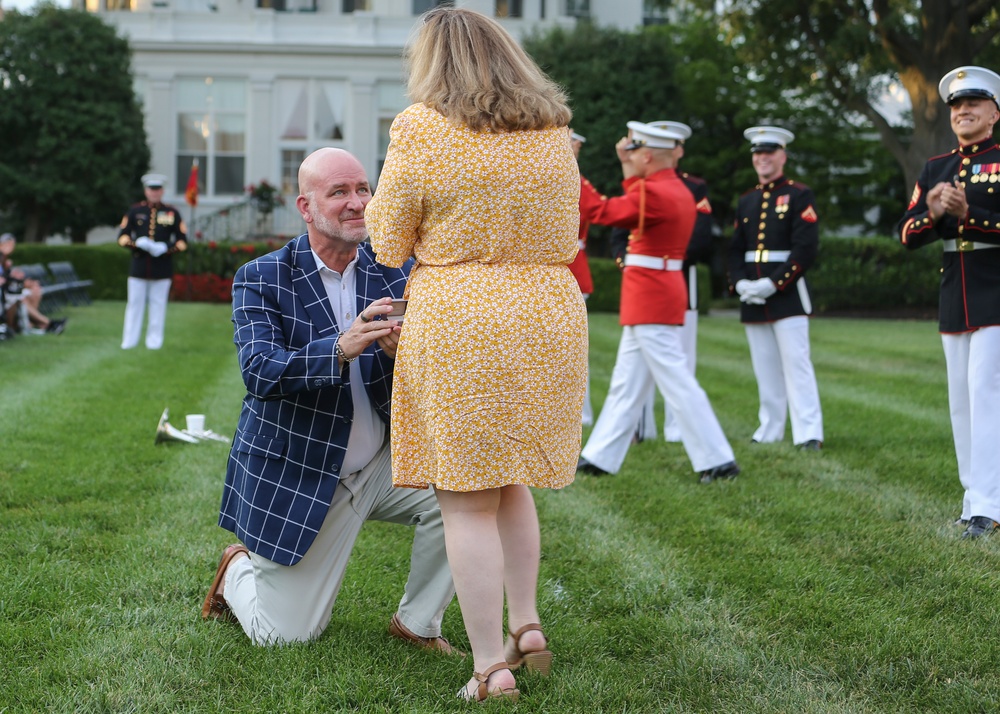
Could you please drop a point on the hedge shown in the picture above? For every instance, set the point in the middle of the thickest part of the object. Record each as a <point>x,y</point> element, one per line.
<point>850,274</point>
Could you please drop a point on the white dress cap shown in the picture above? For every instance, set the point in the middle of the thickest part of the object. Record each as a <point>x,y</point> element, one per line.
<point>654,137</point>
<point>970,82</point>
<point>682,129</point>
<point>154,180</point>
<point>768,138</point>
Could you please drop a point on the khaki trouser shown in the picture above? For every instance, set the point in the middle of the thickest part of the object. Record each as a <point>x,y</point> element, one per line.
<point>279,603</point>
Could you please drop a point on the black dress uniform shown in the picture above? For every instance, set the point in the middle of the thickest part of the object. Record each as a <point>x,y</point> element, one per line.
<point>969,310</point>
<point>776,238</point>
<point>970,274</point>
<point>153,231</point>
<point>160,222</point>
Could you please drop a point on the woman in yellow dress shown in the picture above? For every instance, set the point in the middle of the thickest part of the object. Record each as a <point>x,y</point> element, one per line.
<point>481,186</point>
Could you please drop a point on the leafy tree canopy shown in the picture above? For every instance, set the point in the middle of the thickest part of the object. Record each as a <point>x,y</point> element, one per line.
<point>849,50</point>
<point>72,143</point>
<point>690,72</point>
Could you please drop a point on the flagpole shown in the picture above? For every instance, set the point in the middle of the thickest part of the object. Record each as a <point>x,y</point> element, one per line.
<point>190,256</point>
<point>191,196</point>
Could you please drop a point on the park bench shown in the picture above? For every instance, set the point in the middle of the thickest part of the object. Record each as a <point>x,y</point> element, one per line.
<point>61,286</point>
<point>77,290</point>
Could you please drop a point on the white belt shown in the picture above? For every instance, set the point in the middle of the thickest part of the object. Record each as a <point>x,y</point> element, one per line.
<point>648,261</point>
<point>963,246</point>
<point>766,256</point>
<point>581,245</point>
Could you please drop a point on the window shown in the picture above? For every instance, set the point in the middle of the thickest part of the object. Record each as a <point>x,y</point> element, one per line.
<point>356,5</point>
<point>422,6</point>
<point>291,159</point>
<point>653,14</point>
<point>211,127</point>
<point>578,8</point>
<point>508,8</point>
<point>310,114</point>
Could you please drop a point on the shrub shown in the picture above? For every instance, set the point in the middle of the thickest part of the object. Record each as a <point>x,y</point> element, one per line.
<point>850,274</point>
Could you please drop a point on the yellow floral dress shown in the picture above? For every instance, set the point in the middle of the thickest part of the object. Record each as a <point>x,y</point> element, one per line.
<point>492,361</point>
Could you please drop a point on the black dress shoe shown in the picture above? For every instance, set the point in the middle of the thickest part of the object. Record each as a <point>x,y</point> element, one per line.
<point>730,470</point>
<point>588,468</point>
<point>979,526</point>
<point>811,445</point>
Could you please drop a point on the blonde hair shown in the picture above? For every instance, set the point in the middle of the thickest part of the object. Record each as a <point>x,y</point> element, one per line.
<point>466,66</point>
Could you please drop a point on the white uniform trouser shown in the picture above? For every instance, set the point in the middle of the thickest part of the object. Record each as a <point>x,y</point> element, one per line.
<point>140,293</point>
<point>671,429</point>
<point>973,361</point>
<point>649,354</point>
<point>786,382</point>
<point>280,603</point>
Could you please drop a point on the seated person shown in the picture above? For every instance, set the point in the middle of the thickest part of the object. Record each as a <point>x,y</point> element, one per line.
<point>22,293</point>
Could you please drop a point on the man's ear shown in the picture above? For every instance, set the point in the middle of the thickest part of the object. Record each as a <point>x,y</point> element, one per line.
<point>302,203</point>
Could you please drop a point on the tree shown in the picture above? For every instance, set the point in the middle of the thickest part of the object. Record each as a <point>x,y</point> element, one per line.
<point>851,49</point>
<point>72,143</point>
<point>689,72</point>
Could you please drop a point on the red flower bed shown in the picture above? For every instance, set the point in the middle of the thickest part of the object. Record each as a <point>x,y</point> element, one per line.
<point>204,287</point>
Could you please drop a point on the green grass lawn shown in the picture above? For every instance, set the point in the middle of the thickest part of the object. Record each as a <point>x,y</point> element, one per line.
<point>830,582</point>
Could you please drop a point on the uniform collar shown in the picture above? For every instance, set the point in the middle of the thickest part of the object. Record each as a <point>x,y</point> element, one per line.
<point>977,147</point>
<point>771,185</point>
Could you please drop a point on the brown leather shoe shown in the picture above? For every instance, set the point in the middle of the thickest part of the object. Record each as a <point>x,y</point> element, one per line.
<point>437,644</point>
<point>215,606</point>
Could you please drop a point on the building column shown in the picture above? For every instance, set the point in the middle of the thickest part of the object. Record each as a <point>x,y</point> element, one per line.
<point>161,128</point>
<point>361,138</point>
<point>261,143</point>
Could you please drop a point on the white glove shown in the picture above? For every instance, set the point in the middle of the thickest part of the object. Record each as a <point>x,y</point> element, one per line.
<point>741,286</point>
<point>157,249</point>
<point>145,243</point>
<point>751,299</point>
<point>764,288</point>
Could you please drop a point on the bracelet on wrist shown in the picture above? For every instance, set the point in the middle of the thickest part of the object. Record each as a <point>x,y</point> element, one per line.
<point>339,351</point>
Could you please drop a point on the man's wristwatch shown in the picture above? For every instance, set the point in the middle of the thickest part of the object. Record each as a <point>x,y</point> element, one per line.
<point>339,351</point>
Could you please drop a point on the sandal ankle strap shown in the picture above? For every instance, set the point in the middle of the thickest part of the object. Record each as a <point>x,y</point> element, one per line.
<point>527,628</point>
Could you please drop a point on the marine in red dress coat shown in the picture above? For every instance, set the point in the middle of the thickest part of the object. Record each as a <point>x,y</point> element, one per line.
<point>660,212</point>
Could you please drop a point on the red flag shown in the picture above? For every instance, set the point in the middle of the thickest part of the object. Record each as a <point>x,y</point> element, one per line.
<point>191,192</point>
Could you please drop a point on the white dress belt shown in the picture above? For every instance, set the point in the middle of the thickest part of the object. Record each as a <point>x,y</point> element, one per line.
<point>648,261</point>
<point>952,245</point>
<point>766,256</point>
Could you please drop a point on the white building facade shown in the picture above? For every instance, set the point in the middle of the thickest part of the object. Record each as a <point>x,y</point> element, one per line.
<point>250,87</point>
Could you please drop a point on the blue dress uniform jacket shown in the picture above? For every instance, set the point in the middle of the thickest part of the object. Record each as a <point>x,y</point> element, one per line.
<point>777,216</point>
<point>160,222</point>
<point>970,276</point>
<point>296,417</point>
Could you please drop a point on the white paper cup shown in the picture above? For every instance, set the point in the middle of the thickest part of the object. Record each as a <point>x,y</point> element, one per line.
<point>196,423</point>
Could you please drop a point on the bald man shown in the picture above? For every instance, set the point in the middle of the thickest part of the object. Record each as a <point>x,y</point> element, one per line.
<point>310,462</point>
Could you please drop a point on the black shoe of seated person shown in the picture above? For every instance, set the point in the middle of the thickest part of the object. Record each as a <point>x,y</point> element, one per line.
<point>56,327</point>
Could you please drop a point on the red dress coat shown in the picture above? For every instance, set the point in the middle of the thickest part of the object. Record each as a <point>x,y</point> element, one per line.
<point>580,267</point>
<point>660,212</point>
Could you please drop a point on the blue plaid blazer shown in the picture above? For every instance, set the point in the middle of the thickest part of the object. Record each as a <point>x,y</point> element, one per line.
<point>296,417</point>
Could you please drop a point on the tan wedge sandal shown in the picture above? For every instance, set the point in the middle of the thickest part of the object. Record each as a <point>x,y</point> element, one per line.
<point>537,661</point>
<point>483,693</point>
